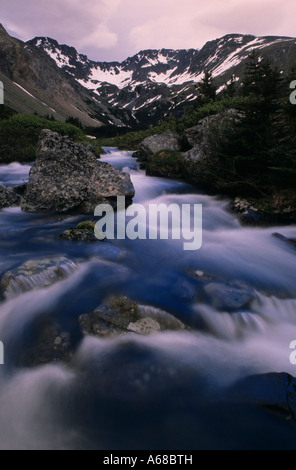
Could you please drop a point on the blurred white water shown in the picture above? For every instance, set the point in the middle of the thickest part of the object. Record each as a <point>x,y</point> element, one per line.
<point>14,174</point>
<point>88,403</point>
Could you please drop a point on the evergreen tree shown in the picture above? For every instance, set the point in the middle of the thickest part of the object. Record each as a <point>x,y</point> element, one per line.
<point>207,89</point>
<point>230,87</point>
<point>74,121</point>
<point>283,154</point>
<point>249,145</point>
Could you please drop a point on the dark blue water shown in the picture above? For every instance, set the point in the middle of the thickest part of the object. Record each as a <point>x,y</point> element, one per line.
<point>158,392</point>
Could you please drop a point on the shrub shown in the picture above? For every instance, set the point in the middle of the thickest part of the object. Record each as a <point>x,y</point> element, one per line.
<point>166,163</point>
<point>19,136</point>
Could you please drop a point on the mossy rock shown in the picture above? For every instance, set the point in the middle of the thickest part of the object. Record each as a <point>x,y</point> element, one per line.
<point>78,235</point>
<point>87,225</point>
<point>84,232</point>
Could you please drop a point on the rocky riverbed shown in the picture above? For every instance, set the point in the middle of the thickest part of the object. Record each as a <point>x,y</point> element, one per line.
<point>137,343</point>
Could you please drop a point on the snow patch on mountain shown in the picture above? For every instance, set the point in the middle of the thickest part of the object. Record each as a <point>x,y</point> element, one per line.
<point>164,77</point>
<point>114,75</point>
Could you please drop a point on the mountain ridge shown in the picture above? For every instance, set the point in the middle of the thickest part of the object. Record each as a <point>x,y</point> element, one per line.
<point>46,77</point>
<point>157,82</point>
<point>34,83</point>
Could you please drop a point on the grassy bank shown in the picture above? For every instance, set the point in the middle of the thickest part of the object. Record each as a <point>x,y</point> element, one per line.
<point>19,135</point>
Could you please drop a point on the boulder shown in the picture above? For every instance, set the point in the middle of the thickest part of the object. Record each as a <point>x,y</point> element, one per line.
<point>168,140</point>
<point>122,316</point>
<point>8,199</point>
<point>68,177</point>
<point>36,274</point>
<point>19,189</point>
<point>205,139</point>
<point>275,391</point>
<point>210,129</point>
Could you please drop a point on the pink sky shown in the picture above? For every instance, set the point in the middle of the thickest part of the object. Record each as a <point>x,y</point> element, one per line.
<point>115,29</point>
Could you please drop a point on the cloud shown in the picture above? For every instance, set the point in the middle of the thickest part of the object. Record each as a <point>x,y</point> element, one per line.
<point>190,23</point>
<point>175,28</point>
<point>255,17</point>
<point>114,29</point>
<point>76,22</point>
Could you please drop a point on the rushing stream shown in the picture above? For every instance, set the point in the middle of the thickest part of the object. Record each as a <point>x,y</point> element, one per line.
<point>238,293</point>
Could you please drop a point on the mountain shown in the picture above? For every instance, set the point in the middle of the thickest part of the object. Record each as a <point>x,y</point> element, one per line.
<point>34,83</point>
<point>46,77</point>
<point>154,83</point>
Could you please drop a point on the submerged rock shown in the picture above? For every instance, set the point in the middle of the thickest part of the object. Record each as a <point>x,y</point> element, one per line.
<point>227,297</point>
<point>289,241</point>
<point>168,140</point>
<point>79,235</point>
<point>68,177</point>
<point>36,274</point>
<point>274,391</point>
<point>145,326</point>
<point>8,199</point>
<point>84,232</point>
<point>49,344</point>
<point>122,316</point>
<point>199,275</point>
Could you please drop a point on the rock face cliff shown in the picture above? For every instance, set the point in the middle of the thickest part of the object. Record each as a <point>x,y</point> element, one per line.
<point>35,84</point>
<point>68,177</point>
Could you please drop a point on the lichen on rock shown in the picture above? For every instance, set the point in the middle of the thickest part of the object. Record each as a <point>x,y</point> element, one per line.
<point>8,199</point>
<point>68,177</point>
<point>121,316</point>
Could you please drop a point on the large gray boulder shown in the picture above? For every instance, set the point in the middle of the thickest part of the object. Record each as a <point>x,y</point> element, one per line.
<point>168,140</point>
<point>205,140</point>
<point>68,176</point>
<point>8,199</point>
<point>209,131</point>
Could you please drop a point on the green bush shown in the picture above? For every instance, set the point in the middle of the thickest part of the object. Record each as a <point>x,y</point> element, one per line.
<point>193,115</point>
<point>168,163</point>
<point>19,136</point>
